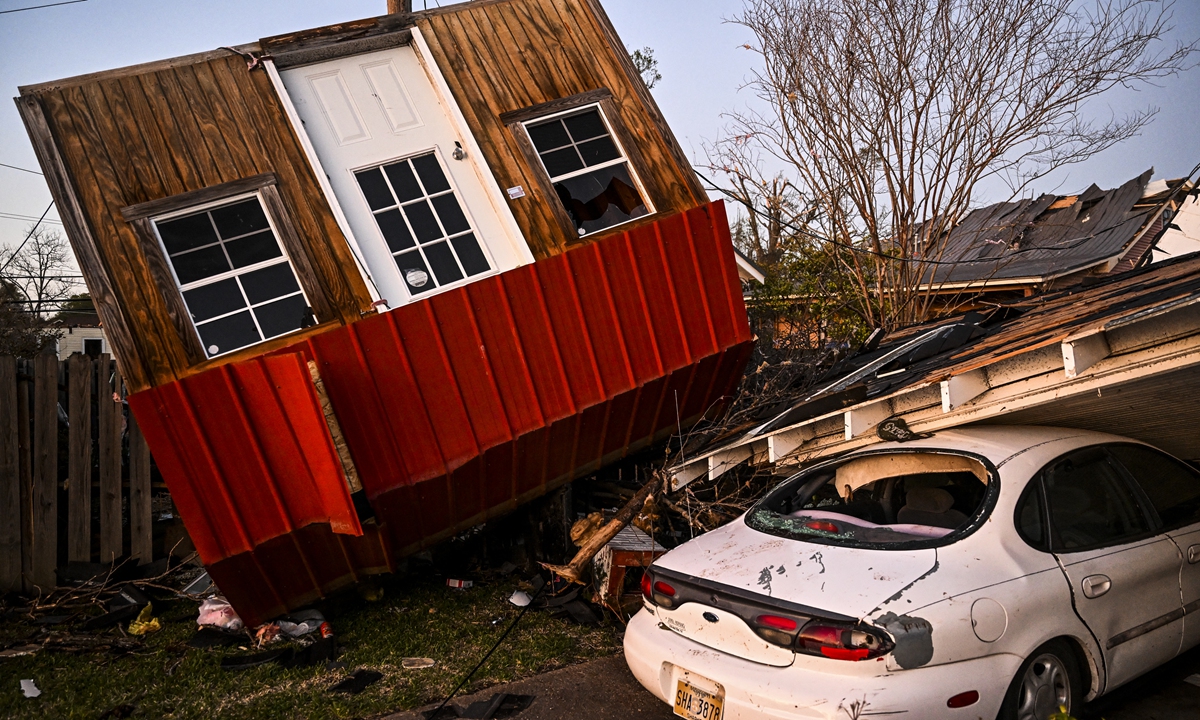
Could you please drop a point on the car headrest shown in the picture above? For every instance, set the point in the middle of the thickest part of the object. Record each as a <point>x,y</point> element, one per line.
<point>927,499</point>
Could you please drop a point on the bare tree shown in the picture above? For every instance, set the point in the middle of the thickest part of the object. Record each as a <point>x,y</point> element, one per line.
<point>43,269</point>
<point>892,112</point>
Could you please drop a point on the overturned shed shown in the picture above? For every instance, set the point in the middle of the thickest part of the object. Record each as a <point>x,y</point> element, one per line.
<point>1121,356</point>
<point>373,283</point>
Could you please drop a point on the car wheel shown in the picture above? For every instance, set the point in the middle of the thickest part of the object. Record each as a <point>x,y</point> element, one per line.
<point>1048,679</point>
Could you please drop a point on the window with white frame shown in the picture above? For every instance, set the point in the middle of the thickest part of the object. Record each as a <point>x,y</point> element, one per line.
<point>590,173</point>
<point>236,280</point>
<point>422,221</point>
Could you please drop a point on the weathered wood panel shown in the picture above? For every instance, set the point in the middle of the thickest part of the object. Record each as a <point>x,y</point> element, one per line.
<point>504,56</point>
<point>111,540</point>
<point>10,480</point>
<point>45,474</point>
<point>80,382</point>
<point>141,539</point>
<point>129,137</point>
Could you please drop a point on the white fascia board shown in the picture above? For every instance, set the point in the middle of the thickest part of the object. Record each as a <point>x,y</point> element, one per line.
<point>1083,350</point>
<point>959,390</point>
<point>862,418</point>
<point>724,461</point>
<point>683,474</point>
<point>747,270</point>
<point>782,444</point>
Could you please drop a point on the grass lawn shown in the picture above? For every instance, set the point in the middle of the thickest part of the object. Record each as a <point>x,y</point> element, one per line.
<point>164,678</point>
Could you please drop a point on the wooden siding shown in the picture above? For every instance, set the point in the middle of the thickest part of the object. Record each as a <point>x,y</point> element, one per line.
<point>117,139</point>
<point>501,56</point>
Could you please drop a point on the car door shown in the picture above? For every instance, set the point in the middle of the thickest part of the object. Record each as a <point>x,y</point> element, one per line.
<point>1124,578</point>
<point>1173,490</point>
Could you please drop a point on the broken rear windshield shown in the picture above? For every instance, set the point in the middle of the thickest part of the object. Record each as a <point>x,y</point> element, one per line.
<point>893,499</point>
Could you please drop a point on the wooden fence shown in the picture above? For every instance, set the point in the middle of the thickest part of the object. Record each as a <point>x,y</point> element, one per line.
<point>66,438</point>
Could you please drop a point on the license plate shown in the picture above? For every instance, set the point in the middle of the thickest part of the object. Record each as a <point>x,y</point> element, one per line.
<point>695,704</point>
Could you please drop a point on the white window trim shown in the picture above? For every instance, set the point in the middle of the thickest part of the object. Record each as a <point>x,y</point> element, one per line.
<point>466,280</point>
<point>624,159</point>
<point>235,272</point>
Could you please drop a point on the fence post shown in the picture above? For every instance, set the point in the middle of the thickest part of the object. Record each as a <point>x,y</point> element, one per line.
<point>141,540</point>
<point>10,480</point>
<point>25,471</point>
<point>45,472</point>
<point>79,464</point>
<point>110,461</point>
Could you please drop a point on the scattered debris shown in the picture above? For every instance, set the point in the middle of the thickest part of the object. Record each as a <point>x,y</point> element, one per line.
<point>598,539</point>
<point>1192,680</point>
<point>30,689</point>
<point>356,683</point>
<point>459,584</point>
<point>115,617</point>
<point>202,585</point>
<point>266,634</point>
<point>144,623</point>
<point>322,651</point>
<point>520,598</point>
<point>128,596</point>
<point>370,592</point>
<point>19,651</point>
<point>208,636</point>
<point>417,663</point>
<point>217,611</point>
<point>302,623</point>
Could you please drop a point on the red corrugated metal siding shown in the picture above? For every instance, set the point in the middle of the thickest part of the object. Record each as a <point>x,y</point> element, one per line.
<point>455,408</point>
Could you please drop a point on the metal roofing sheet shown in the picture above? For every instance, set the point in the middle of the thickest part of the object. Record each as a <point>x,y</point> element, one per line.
<point>454,408</point>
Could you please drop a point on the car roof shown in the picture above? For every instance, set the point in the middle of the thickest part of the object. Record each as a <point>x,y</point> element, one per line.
<point>999,443</point>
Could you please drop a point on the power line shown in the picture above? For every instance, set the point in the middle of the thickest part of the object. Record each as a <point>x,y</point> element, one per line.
<point>14,167</point>
<point>32,230</point>
<point>26,218</point>
<point>38,7</point>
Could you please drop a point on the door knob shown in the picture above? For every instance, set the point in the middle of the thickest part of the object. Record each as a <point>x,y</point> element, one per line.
<point>1096,585</point>
<point>1194,554</point>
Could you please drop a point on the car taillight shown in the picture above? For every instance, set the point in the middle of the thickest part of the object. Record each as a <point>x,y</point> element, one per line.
<point>776,629</point>
<point>657,591</point>
<point>840,642</point>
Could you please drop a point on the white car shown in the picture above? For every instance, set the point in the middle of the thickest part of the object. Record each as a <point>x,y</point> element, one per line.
<point>979,573</point>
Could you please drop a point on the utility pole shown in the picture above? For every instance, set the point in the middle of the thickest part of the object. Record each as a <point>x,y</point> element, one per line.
<point>399,6</point>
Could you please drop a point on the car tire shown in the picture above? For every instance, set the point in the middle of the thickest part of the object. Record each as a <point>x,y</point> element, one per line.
<point>1048,678</point>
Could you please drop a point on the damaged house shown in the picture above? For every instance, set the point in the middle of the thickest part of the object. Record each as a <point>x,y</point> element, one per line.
<point>374,283</point>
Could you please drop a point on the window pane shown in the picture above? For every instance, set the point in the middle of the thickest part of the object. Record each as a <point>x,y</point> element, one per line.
<point>442,260</point>
<point>282,316</point>
<point>186,233</point>
<point>470,255</point>
<point>420,216</point>
<point>585,126</point>
<point>1173,488</point>
<point>210,301</point>
<point>253,249</point>
<point>548,136</point>
<point>395,232</point>
<point>598,151</point>
<point>415,274</point>
<point>1031,518</point>
<point>601,198</point>
<point>451,214</point>
<point>227,334</point>
<point>200,264</point>
<point>239,219</point>
<point>561,162</point>
<point>270,282</point>
<point>375,189</point>
<point>431,174</point>
<point>1090,502</point>
<point>403,181</point>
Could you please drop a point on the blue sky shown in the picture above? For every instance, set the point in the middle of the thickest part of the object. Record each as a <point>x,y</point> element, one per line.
<point>703,64</point>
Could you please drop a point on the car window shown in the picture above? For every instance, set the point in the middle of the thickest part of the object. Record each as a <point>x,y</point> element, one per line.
<point>881,499</point>
<point>1091,502</point>
<point>1173,488</point>
<point>1031,517</point>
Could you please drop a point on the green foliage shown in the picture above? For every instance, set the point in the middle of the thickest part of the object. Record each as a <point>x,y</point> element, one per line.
<point>22,332</point>
<point>647,66</point>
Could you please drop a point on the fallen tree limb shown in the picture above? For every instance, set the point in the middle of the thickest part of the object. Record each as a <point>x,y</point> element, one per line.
<point>600,538</point>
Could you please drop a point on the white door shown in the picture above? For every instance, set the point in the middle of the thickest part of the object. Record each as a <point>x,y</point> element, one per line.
<point>424,211</point>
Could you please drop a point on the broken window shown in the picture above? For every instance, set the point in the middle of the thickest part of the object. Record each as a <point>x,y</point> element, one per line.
<point>237,283</point>
<point>879,499</point>
<point>588,169</point>
<point>422,220</point>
